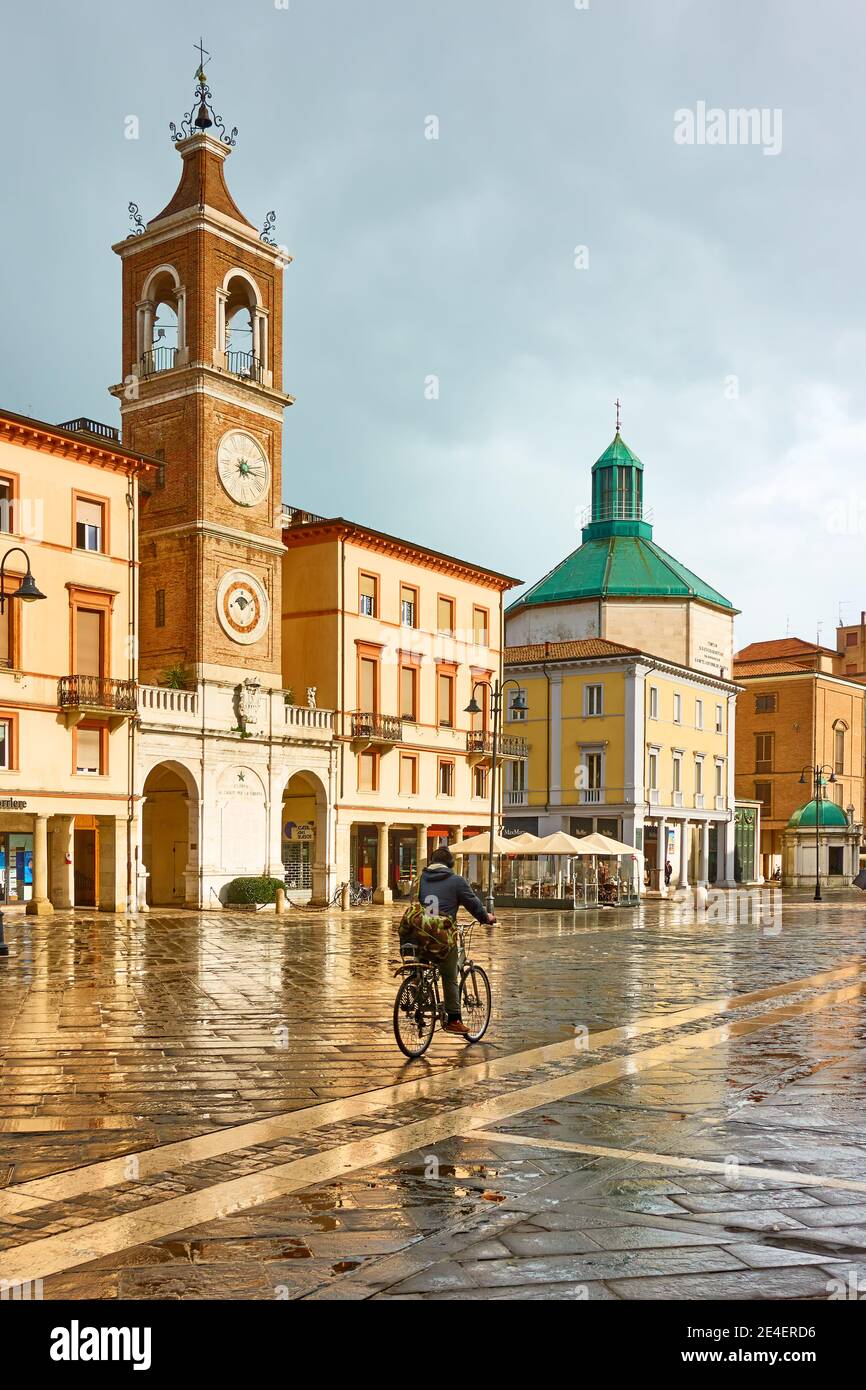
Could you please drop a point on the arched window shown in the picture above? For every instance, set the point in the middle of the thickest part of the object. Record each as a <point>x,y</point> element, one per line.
<point>839,731</point>
<point>242,327</point>
<point>161,326</point>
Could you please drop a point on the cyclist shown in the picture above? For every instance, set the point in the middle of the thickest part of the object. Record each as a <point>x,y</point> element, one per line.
<point>441,892</point>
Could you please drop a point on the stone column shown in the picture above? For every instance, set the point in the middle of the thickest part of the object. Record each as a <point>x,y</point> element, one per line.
<point>40,904</point>
<point>730,880</point>
<point>62,877</point>
<point>140,867</point>
<point>421,847</point>
<point>382,893</point>
<point>685,838</point>
<point>111,888</point>
<point>660,855</point>
<point>704,869</point>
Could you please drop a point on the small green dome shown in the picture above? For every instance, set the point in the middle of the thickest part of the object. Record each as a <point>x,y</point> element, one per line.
<point>830,815</point>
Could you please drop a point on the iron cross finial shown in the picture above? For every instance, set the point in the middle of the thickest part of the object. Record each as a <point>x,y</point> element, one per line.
<point>202,53</point>
<point>618,421</point>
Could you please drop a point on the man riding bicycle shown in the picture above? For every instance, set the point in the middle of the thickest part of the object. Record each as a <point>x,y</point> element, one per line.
<point>441,892</point>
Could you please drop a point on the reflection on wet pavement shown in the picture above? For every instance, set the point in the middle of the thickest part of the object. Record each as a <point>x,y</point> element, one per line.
<point>208,1106</point>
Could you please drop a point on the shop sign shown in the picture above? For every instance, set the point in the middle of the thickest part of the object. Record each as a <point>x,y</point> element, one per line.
<point>299,830</point>
<point>10,804</point>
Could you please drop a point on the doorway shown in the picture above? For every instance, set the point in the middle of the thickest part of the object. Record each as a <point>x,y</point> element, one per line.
<point>86,860</point>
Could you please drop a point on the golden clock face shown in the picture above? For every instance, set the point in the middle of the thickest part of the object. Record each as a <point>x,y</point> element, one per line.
<point>242,605</point>
<point>243,468</point>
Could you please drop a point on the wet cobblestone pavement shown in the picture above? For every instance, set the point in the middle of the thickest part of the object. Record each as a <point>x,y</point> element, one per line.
<point>212,1106</point>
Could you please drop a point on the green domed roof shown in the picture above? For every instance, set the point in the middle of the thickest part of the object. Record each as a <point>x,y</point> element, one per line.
<point>618,556</point>
<point>830,815</point>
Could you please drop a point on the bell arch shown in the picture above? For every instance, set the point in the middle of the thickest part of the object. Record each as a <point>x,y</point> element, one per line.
<point>161,321</point>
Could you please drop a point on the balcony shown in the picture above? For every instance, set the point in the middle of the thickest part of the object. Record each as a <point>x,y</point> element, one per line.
<point>245,365</point>
<point>516,798</point>
<point>158,359</point>
<point>479,745</point>
<point>82,425</point>
<point>383,729</point>
<point>79,696</point>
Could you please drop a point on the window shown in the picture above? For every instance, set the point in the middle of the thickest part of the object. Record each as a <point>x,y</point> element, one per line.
<point>88,750</point>
<point>678,772</point>
<point>408,774</point>
<point>480,626</point>
<point>763,752</point>
<point>516,715</point>
<point>479,781</point>
<point>850,639</point>
<point>368,772</point>
<point>654,702</point>
<point>6,754</point>
<point>719,772</point>
<point>678,709</point>
<point>765,704</point>
<point>720,717</point>
<point>89,642</point>
<point>592,699</point>
<point>89,524</point>
<point>699,776</point>
<point>446,779</point>
<point>408,605</point>
<point>368,595</point>
<point>653,771</point>
<point>699,714</point>
<point>6,504</point>
<point>160,608</point>
<point>6,643</point>
<point>839,748</point>
<point>445,617</point>
<point>445,697</point>
<point>764,794</point>
<point>515,777</point>
<point>368,685</point>
<point>408,693</point>
<point>592,776</point>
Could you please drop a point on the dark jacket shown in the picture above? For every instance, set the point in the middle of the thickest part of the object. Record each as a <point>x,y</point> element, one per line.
<point>441,892</point>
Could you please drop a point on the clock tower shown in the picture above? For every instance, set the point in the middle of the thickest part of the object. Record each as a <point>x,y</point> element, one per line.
<point>202,391</point>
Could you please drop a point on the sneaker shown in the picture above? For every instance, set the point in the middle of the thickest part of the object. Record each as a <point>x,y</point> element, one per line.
<point>454,1025</point>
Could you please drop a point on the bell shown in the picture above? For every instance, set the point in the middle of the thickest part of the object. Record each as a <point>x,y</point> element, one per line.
<point>203,120</point>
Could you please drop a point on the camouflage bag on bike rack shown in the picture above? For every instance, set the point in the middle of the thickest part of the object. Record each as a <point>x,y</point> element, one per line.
<point>432,937</point>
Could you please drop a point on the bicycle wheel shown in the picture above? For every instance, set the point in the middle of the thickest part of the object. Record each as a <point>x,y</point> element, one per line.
<point>475,1001</point>
<point>414,1014</point>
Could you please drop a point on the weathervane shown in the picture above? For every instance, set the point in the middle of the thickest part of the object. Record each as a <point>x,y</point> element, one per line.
<point>618,421</point>
<point>204,117</point>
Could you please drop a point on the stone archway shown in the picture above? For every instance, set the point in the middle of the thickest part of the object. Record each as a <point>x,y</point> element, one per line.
<point>304,838</point>
<point>169,829</point>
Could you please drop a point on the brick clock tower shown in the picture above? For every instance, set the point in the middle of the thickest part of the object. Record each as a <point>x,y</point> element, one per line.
<point>202,390</point>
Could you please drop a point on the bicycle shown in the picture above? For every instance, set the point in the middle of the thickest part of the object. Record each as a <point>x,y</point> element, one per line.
<point>359,896</point>
<point>419,1002</point>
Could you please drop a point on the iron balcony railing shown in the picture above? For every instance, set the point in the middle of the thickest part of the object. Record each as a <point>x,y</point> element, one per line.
<point>379,728</point>
<point>508,745</point>
<point>246,365</point>
<point>97,692</point>
<point>616,511</point>
<point>158,359</point>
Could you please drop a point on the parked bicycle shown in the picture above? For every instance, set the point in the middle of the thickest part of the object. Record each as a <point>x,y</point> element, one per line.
<point>359,895</point>
<point>419,1001</point>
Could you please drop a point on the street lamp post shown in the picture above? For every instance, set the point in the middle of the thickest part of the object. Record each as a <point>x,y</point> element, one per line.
<point>817,774</point>
<point>497,690</point>
<point>27,592</point>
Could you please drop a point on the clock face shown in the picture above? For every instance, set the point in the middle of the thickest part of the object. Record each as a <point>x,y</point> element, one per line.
<point>243,468</point>
<point>242,607</point>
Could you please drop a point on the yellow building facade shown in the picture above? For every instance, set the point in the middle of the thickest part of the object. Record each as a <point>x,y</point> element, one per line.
<point>623,744</point>
<point>68,510</point>
<point>394,638</point>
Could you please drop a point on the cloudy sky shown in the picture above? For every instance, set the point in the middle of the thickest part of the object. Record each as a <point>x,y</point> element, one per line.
<point>720,292</point>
